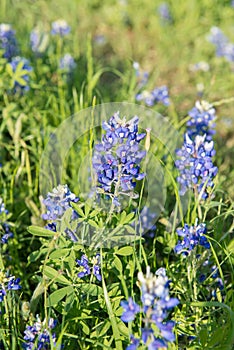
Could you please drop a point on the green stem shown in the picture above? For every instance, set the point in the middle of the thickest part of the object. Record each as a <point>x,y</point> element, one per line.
<point>116,334</point>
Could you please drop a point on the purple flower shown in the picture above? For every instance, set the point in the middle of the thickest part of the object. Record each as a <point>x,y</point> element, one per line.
<point>39,334</point>
<point>13,283</point>
<point>164,13</point>
<point>2,295</point>
<point>159,94</point>
<point>134,343</point>
<point>8,42</point>
<point>192,236</point>
<point>195,165</point>
<point>157,344</point>
<point>130,310</point>
<point>4,226</point>
<point>86,270</point>
<point>202,120</point>
<point>67,63</point>
<point>223,47</point>
<point>57,202</point>
<point>8,283</point>
<point>117,158</point>
<point>156,303</point>
<point>38,41</point>
<point>22,69</point>
<point>210,277</point>
<point>84,262</point>
<point>60,27</point>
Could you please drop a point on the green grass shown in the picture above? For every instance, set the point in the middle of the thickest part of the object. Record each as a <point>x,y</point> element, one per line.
<point>88,311</point>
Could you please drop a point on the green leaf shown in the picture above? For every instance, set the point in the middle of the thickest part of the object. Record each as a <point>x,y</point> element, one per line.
<point>91,289</point>
<point>93,223</point>
<point>56,275</point>
<point>128,218</point>
<point>58,253</point>
<point>34,256</point>
<point>118,265</point>
<point>122,328</point>
<point>40,231</point>
<point>125,251</point>
<point>78,209</point>
<point>58,295</point>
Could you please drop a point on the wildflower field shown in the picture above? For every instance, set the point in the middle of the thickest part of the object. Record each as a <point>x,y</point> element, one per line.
<point>116,155</point>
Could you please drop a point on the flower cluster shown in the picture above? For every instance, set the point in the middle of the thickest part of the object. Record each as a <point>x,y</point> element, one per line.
<point>67,63</point>
<point>60,27</point>
<point>38,41</point>
<point>224,48</point>
<point>164,13</point>
<point>159,94</point>
<point>156,304</point>
<point>117,158</point>
<point>8,283</point>
<point>8,42</point>
<point>86,270</point>
<point>38,336</point>
<point>142,76</point>
<point>22,69</point>
<point>201,121</point>
<point>146,225</point>
<point>4,226</point>
<point>192,236</point>
<point>195,165</point>
<point>210,277</point>
<point>57,202</point>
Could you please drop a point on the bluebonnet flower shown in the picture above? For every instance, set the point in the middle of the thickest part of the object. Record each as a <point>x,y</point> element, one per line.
<point>228,52</point>
<point>60,27</point>
<point>201,121</point>
<point>8,42</point>
<point>39,41</point>
<point>142,76</point>
<point>156,304</point>
<point>8,283</point>
<point>192,236</point>
<point>223,47</point>
<point>146,225</point>
<point>57,202</point>
<point>7,233</point>
<point>2,294</point>
<point>219,39</point>
<point>22,69</point>
<point>195,165</point>
<point>164,12</point>
<point>210,278</point>
<point>13,283</point>
<point>67,63</point>
<point>117,158</point>
<point>134,343</point>
<point>130,310</point>
<point>38,336</point>
<point>159,94</point>
<point>86,270</point>
<point>4,226</point>
<point>2,207</point>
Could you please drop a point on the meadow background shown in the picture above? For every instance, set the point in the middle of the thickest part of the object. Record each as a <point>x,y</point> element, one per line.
<point>106,40</point>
